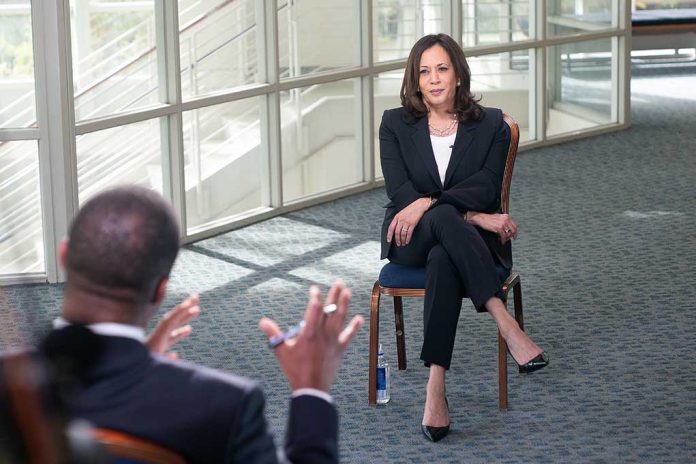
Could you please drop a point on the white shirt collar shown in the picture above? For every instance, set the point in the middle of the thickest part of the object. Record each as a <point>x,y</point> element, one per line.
<point>113,329</point>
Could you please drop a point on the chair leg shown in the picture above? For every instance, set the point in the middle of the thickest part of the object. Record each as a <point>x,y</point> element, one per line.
<point>502,374</point>
<point>400,336</point>
<point>374,345</point>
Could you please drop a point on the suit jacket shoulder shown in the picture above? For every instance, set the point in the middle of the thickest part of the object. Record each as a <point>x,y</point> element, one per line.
<point>204,414</point>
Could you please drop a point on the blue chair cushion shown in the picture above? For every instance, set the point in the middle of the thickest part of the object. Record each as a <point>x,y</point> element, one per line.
<point>395,275</point>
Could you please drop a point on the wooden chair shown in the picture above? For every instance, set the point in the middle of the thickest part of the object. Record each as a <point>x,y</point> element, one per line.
<point>130,449</point>
<point>35,434</point>
<point>408,281</point>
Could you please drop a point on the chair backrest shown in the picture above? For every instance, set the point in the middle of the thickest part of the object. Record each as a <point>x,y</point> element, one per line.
<point>509,162</point>
<point>35,434</point>
<point>130,449</point>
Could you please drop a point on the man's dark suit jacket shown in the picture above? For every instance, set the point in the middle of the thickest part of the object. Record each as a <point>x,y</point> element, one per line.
<point>205,415</point>
<point>473,178</point>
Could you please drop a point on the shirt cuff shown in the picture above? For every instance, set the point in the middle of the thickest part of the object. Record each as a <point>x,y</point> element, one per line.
<point>313,392</point>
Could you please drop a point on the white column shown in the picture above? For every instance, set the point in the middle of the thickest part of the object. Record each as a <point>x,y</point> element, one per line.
<point>366,110</point>
<point>169,78</point>
<point>55,116</point>
<point>270,112</point>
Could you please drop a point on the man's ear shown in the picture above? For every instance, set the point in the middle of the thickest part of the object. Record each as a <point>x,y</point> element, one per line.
<point>160,291</point>
<point>63,253</point>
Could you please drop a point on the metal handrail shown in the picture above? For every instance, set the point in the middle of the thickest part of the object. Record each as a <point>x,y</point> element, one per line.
<point>153,48</point>
<point>124,66</point>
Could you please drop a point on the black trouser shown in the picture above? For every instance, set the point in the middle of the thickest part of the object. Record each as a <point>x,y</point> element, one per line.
<point>458,264</point>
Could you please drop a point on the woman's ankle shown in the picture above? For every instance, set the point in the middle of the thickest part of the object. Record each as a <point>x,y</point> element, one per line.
<point>436,380</point>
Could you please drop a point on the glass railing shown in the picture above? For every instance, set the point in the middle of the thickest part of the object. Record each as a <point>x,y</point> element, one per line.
<point>492,22</point>
<point>218,48</point>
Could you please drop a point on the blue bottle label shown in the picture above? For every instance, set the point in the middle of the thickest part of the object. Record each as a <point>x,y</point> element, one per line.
<point>381,378</point>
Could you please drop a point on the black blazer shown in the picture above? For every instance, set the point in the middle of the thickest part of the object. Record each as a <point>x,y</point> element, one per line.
<point>206,415</point>
<point>473,178</point>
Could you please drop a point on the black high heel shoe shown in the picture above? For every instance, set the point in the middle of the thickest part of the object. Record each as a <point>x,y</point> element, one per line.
<point>436,434</point>
<point>538,362</point>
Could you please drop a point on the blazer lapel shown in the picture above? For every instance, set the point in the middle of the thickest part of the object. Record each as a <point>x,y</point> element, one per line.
<point>465,135</point>
<point>421,139</point>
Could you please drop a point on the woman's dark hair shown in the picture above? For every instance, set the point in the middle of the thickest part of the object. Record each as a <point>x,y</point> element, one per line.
<point>466,106</point>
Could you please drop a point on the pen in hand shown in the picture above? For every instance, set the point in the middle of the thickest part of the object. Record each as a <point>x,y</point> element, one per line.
<point>274,342</point>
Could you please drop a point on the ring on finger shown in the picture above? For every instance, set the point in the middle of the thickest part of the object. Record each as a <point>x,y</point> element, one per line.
<point>329,309</point>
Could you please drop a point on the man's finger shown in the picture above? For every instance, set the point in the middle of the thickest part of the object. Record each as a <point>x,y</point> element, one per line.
<point>180,333</point>
<point>351,329</point>
<point>334,291</point>
<point>313,313</point>
<point>338,318</point>
<point>183,312</point>
<point>269,327</point>
<point>184,315</point>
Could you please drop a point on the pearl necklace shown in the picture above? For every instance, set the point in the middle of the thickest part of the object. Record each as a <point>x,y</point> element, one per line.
<point>443,132</point>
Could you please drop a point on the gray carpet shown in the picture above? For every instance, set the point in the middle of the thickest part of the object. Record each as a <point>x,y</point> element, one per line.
<point>606,247</point>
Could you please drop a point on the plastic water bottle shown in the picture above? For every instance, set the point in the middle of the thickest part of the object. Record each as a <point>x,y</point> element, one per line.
<point>383,395</point>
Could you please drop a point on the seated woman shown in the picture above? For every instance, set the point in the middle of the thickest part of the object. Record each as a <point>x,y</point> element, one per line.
<point>443,157</point>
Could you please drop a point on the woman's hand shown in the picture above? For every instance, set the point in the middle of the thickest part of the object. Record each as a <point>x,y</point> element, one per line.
<point>401,227</point>
<point>501,224</point>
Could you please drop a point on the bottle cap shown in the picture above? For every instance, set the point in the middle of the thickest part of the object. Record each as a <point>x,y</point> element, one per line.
<point>379,351</point>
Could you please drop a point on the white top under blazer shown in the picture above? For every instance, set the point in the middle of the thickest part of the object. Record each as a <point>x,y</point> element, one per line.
<point>442,149</point>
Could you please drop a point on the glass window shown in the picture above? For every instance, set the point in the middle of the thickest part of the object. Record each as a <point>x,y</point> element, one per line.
<point>503,81</point>
<point>218,44</point>
<point>574,16</point>
<point>579,86</point>
<point>225,162</point>
<point>21,229</point>
<point>128,154</point>
<point>398,24</point>
<point>114,56</point>
<point>17,100</point>
<point>317,36</point>
<point>387,87</point>
<point>488,22</point>
<point>320,149</point>
<point>228,172</point>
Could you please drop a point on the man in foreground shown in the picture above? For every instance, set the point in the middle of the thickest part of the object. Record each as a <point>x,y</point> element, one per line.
<point>122,246</point>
